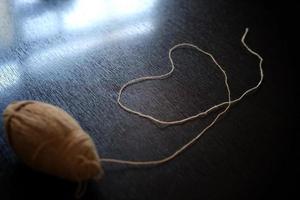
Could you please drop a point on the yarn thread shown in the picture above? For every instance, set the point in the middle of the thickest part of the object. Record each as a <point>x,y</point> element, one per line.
<point>227,104</point>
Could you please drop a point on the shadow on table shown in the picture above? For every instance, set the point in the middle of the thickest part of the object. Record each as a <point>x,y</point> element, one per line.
<point>25,183</point>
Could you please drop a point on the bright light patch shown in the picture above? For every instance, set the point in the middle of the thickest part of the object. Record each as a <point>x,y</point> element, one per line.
<point>44,25</point>
<point>9,75</point>
<point>39,62</point>
<point>121,7</point>
<point>25,2</point>
<point>85,13</point>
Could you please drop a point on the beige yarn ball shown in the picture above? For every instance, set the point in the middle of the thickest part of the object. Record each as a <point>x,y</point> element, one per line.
<point>48,139</point>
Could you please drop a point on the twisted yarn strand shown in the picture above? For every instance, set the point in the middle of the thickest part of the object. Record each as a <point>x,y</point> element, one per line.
<point>180,121</point>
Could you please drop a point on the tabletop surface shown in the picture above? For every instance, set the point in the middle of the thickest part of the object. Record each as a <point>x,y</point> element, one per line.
<point>76,54</point>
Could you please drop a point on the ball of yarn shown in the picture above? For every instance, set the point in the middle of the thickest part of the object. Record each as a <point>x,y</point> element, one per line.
<point>48,139</point>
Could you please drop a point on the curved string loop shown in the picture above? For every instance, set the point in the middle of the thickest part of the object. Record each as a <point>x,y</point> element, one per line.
<point>227,104</point>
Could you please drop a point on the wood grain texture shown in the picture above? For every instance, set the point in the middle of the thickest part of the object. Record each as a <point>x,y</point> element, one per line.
<point>77,54</point>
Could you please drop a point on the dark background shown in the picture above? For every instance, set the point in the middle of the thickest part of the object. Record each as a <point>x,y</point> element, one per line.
<point>77,56</point>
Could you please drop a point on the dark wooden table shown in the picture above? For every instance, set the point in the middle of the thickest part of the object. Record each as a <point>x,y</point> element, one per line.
<point>76,54</point>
